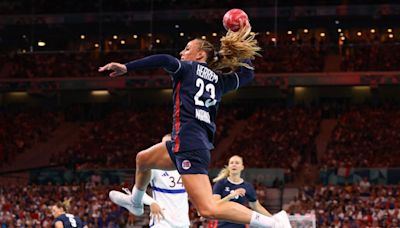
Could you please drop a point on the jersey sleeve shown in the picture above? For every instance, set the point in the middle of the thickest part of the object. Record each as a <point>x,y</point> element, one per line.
<point>171,64</point>
<point>218,188</point>
<point>239,78</point>
<point>251,194</point>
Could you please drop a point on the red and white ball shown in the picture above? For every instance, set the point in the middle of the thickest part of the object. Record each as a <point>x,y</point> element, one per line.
<point>234,19</point>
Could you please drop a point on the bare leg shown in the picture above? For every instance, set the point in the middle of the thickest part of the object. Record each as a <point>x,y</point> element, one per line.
<point>155,157</point>
<point>199,190</point>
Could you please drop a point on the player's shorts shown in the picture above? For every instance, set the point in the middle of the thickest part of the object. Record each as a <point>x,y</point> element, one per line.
<point>165,224</point>
<point>190,162</point>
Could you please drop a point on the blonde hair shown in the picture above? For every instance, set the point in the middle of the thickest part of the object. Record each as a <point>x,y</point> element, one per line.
<point>235,47</point>
<point>224,173</point>
<point>65,205</point>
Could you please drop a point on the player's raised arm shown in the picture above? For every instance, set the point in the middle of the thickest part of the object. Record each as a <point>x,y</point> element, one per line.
<point>167,62</point>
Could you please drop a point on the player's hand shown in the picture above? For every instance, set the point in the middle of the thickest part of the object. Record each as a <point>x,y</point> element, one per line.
<point>156,212</point>
<point>117,69</point>
<point>238,192</point>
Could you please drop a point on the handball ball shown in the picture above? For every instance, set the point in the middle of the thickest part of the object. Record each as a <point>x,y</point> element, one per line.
<point>234,19</point>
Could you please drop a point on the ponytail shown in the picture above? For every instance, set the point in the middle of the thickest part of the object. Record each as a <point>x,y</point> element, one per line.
<point>235,47</point>
<point>224,173</point>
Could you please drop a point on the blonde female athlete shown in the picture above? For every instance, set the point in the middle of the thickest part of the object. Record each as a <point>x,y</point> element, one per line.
<point>62,219</point>
<point>199,82</point>
<point>229,186</point>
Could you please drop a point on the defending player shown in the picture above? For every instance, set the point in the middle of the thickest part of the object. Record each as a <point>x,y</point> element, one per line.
<point>229,186</point>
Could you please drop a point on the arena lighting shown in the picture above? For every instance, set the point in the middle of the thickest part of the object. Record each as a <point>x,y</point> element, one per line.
<point>293,39</point>
<point>360,88</point>
<point>273,39</point>
<point>181,34</point>
<point>41,44</point>
<point>18,94</point>
<point>339,30</point>
<point>359,33</point>
<point>372,30</point>
<point>299,89</point>
<point>100,93</point>
<point>342,38</point>
<point>289,32</point>
<point>115,37</point>
<point>390,36</point>
<point>305,30</point>
<point>83,37</point>
<point>122,41</point>
<point>109,42</point>
<point>96,45</point>
<point>149,34</point>
<point>322,34</point>
<point>158,41</point>
<point>203,37</point>
<point>389,30</point>
<point>135,36</point>
<point>214,34</point>
<point>341,34</point>
<point>177,26</point>
<point>337,22</point>
<point>267,33</point>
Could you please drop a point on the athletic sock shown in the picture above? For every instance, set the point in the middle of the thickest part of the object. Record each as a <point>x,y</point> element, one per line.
<point>259,220</point>
<point>137,196</point>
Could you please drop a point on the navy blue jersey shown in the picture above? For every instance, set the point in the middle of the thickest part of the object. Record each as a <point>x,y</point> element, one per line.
<point>69,221</point>
<point>224,187</point>
<point>197,92</point>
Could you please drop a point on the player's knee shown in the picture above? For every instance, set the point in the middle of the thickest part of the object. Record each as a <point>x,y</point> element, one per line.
<point>207,212</point>
<point>141,161</point>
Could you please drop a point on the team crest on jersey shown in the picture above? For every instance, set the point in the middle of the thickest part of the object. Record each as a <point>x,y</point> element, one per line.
<point>186,164</point>
<point>227,189</point>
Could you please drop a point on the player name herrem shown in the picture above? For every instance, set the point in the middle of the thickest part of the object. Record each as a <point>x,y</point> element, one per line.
<point>205,73</point>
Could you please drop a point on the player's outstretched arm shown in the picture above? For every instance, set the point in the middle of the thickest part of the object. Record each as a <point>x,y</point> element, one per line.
<point>167,62</point>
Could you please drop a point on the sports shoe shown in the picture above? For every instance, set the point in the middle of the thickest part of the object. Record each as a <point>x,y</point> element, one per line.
<point>124,200</point>
<point>282,219</point>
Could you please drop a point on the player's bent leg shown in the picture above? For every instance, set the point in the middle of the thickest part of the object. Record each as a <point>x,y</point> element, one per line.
<point>199,190</point>
<point>155,157</point>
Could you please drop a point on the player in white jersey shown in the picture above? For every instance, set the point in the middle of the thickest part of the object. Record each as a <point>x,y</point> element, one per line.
<point>169,205</point>
<point>170,194</point>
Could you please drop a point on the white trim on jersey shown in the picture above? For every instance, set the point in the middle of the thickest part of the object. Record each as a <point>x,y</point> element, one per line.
<point>176,71</point>
<point>237,78</point>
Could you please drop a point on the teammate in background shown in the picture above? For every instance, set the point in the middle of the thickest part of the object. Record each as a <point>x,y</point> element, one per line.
<point>229,186</point>
<point>199,82</point>
<point>169,206</point>
<point>63,219</point>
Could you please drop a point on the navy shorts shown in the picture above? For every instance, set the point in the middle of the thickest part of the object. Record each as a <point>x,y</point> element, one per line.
<point>190,162</point>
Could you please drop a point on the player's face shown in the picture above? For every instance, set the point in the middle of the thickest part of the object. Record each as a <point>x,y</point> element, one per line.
<point>235,165</point>
<point>56,211</point>
<point>192,52</point>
